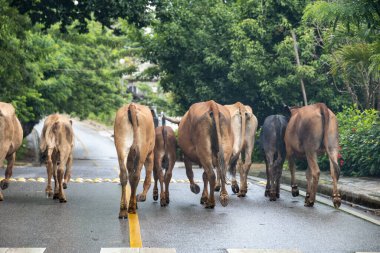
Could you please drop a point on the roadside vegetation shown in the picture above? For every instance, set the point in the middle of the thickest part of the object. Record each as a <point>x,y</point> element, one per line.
<point>70,57</point>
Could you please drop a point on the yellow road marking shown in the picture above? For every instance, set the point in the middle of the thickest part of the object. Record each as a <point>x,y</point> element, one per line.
<point>134,226</point>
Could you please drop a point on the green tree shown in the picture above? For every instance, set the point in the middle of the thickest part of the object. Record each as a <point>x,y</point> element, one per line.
<point>106,12</point>
<point>348,33</point>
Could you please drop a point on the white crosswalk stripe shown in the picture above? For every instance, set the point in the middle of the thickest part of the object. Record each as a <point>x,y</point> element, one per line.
<point>262,251</point>
<point>22,250</point>
<point>137,250</point>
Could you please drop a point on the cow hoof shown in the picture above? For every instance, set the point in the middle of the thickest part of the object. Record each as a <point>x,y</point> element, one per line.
<point>163,202</point>
<point>235,188</point>
<point>1,197</point>
<point>295,191</point>
<point>337,202</point>
<point>62,200</point>
<point>195,188</point>
<point>64,186</point>
<point>309,203</point>
<point>217,188</point>
<point>224,199</point>
<point>49,194</point>
<point>203,200</point>
<point>272,196</point>
<point>209,205</point>
<point>131,210</point>
<point>123,214</point>
<point>55,196</point>
<point>242,194</point>
<point>167,200</point>
<point>278,195</point>
<point>4,184</point>
<point>140,197</point>
<point>155,195</point>
<point>266,193</point>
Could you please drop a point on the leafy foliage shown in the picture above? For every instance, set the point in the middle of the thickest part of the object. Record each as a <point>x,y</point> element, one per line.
<point>360,141</point>
<point>237,51</point>
<point>106,12</point>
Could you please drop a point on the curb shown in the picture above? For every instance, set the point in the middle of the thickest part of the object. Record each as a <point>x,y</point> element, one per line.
<point>326,189</point>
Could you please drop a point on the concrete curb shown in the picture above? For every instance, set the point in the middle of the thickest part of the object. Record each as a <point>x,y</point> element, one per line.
<point>326,189</point>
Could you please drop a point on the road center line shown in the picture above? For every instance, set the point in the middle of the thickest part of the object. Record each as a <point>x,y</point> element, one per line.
<point>134,226</point>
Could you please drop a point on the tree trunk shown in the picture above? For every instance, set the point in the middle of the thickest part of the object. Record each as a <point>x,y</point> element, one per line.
<point>299,64</point>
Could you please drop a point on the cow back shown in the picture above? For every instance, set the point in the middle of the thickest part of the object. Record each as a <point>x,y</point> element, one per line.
<point>10,130</point>
<point>311,129</point>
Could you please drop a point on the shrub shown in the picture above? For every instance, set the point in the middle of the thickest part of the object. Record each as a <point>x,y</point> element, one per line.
<point>360,141</point>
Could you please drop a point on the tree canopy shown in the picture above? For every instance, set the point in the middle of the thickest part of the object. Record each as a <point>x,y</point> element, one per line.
<point>63,56</point>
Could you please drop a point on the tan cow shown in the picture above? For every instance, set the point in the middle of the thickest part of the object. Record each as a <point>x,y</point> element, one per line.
<point>313,130</point>
<point>10,140</point>
<point>244,126</point>
<point>134,142</point>
<point>164,158</point>
<point>57,143</point>
<point>205,137</point>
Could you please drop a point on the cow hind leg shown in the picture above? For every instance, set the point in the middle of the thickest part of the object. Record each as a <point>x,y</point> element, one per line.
<point>211,180</point>
<point>234,184</point>
<point>134,178</point>
<point>55,172</point>
<point>49,170</point>
<point>69,164</point>
<point>155,177</point>
<point>61,175</point>
<point>123,175</point>
<point>334,172</point>
<point>8,172</point>
<point>190,175</point>
<point>292,168</point>
<point>267,186</point>
<point>168,177</point>
<point>314,170</point>
<point>149,162</point>
<point>204,197</point>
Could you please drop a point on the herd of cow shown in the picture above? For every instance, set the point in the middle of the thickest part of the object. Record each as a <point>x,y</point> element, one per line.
<point>210,135</point>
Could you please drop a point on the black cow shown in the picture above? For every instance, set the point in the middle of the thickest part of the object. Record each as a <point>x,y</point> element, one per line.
<point>273,145</point>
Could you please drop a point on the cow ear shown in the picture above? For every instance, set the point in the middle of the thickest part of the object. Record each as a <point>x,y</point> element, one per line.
<point>71,122</point>
<point>286,110</point>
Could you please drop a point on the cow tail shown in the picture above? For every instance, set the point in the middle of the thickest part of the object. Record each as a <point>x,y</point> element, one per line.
<point>277,124</point>
<point>326,122</point>
<point>217,139</point>
<point>242,112</point>
<point>134,150</point>
<point>165,139</point>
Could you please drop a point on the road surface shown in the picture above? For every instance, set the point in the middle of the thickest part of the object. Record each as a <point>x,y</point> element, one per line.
<point>89,222</point>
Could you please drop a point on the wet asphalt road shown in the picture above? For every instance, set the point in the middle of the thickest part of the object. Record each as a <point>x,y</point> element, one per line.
<point>88,222</point>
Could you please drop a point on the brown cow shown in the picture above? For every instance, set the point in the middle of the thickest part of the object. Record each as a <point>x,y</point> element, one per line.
<point>164,158</point>
<point>10,140</point>
<point>243,123</point>
<point>313,130</point>
<point>205,137</point>
<point>134,142</point>
<point>57,142</point>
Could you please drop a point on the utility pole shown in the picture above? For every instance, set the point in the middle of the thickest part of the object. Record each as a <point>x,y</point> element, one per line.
<point>299,64</point>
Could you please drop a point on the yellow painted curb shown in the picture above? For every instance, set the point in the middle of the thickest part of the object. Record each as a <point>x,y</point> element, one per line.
<point>41,180</point>
<point>21,179</point>
<point>12,180</point>
<point>32,180</point>
<point>107,180</point>
<point>88,180</point>
<point>116,180</point>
